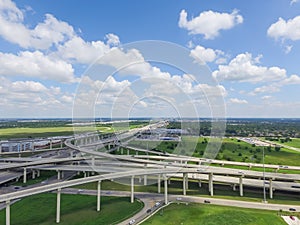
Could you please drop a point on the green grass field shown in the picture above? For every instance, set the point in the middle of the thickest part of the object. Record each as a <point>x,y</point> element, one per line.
<point>295,142</point>
<point>194,214</point>
<point>231,150</point>
<point>75,209</point>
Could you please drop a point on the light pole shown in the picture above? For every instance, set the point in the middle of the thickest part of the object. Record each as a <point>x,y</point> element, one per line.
<point>264,178</point>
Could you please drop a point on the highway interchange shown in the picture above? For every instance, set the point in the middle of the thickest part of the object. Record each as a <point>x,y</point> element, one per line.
<point>110,166</point>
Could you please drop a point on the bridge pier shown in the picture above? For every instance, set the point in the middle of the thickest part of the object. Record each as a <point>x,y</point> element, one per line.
<point>241,186</point>
<point>184,183</point>
<point>158,184</point>
<point>132,190</point>
<point>166,189</point>
<point>33,174</point>
<point>58,174</point>
<point>58,205</point>
<point>98,195</point>
<point>200,184</point>
<point>271,188</point>
<point>25,175</point>
<point>7,212</point>
<point>210,184</point>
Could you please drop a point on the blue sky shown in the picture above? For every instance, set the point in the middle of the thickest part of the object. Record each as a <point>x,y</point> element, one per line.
<point>250,47</point>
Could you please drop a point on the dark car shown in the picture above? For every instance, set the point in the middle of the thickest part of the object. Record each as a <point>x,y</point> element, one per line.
<point>292,209</point>
<point>148,210</point>
<point>206,201</point>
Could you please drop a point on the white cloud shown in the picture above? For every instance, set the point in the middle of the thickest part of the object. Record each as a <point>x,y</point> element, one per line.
<point>266,97</point>
<point>285,29</point>
<point>293,79</point>
<point>80,51</point>
<point>29,94</point>
<point>265,89</point>
<point>27,86</point>
<point>112,39</point>
<point>288,49</point>
<point>36,64</point>
<point>244,68</point>
<point>237,101</point>
<point>43,36</point>
<point>209,23</point>
<point>206,54</point>
<point>294,1</point>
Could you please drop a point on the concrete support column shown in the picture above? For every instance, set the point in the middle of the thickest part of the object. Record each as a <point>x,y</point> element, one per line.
<point>271,188</point>
<point>25,176</point>
<point>234,187</point>
<point>241,186</point>
<point>145,176</point>
<point>98,195</point>
<point>184,184</point>
<point>121,151</point>
<point>58,174</point>
<point>210,184</point>
<point>38,173</point>
<point>61,143</point>
<point>169,181</point>
<point>7,212</point>
<point>166,189</point>
<point>200,184</point>
<point>127,151</point>
<point>158,184</point>
<point>132,190</point>
<point>50,143</point>
<point>93,161</point>
<point>58,205</point>
<point>62,175</point>
<point>33,174</point>
<point>187,181</point>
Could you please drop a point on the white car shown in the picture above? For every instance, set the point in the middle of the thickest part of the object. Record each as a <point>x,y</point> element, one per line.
<point>132,221</point>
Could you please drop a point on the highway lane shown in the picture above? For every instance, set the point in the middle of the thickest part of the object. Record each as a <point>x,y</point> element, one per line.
<point>112,168</point>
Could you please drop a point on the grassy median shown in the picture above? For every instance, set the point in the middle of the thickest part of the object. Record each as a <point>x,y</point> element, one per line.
<point>193,214</point>
<point>75,209</point>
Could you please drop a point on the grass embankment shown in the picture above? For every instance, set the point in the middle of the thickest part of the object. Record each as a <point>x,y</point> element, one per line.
<point>175,187</point>
<point>231,150</point>
<point>193,214</point>
<point>75,209</point>
<point>293,142</point>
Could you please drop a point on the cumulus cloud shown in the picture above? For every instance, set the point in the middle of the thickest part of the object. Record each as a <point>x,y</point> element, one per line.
<point>44,35</point>
<point>283,29</point>
<point>30,94</point>
<point>245,68</point>
<point>265,89</point>
<point>112,39</point>
<point>293,79</point>
<point>237,101</point>
<point>81,51</point>
<point>36,64</point>
<point>209,23</point>
<point>206,54</point>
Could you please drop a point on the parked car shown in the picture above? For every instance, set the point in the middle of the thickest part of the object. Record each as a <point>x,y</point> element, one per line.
<point>206,201</point>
